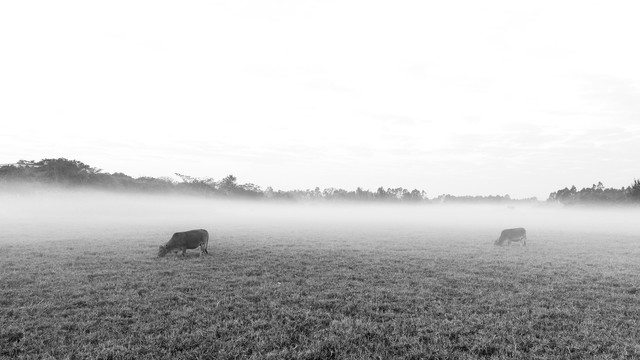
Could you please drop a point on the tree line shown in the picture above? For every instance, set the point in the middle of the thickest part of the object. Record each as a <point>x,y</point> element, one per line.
<point>74,173</point>
<point>597,194</point>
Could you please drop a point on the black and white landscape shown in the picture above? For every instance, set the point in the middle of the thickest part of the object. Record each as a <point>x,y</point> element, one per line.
<point>378,180</point>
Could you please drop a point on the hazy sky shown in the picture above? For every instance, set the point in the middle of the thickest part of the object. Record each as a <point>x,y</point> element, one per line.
<point>459,97</point>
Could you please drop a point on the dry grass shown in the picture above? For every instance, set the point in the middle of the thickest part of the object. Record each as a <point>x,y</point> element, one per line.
<point>317,292</point>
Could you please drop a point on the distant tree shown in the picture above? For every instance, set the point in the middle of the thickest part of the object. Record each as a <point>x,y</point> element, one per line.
<point>381,194</point>
<point>565,195</point>
<point>249,190</point>
<point>269,193</point>
<point>395,194</point>
<point>228,185</point>
<point>152,184</point>
<point>597,193</point>
<point>185,178</point>
<point>634,190</point>
<point>12,173</point>
<point>26,163</point>
<point>363,195</point>
<point>251,187</point>
<point>328,193</point>
<point>193,184</point>
<point>64,171</point>
<point>340,194</point>
<point>415,195</point>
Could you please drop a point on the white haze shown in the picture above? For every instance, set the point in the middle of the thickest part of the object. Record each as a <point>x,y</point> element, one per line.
<point>62,215</point>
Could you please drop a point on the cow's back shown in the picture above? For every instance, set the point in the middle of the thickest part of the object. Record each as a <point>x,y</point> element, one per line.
<point>188,239</point>
<point>516,234</point>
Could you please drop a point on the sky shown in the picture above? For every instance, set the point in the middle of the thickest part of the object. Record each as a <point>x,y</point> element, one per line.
<point>455,97</point>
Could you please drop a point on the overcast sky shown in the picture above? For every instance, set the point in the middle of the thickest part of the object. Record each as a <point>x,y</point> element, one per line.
<point>458,97</point>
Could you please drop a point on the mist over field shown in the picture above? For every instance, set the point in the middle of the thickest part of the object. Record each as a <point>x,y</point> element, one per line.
<point>81,277</point>
<point>355,166</point>
<point>55,214</point>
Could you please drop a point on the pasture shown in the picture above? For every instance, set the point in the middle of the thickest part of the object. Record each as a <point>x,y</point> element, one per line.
<point>80,278</point>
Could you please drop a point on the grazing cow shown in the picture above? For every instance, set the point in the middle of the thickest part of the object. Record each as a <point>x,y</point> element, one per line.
<point>512,235</point>
<point>181,241</point>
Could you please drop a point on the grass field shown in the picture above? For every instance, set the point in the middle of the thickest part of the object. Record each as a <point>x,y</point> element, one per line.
<point>82,280</point>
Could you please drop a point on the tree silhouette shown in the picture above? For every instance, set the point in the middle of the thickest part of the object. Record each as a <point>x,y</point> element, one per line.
<point>634,190</point>
<point>64,172</point>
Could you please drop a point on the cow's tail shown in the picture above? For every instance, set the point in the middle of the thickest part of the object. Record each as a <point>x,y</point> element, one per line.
<point>205,244</point>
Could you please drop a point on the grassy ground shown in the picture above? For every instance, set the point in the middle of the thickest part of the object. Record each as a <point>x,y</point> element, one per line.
<point>318,292</point>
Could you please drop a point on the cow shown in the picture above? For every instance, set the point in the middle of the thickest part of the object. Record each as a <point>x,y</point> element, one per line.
<point>512,235</point>
<point>181,241</point>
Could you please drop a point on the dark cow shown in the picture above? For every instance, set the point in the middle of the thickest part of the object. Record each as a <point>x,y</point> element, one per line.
<point>512,235</point>
<point>181,241</point>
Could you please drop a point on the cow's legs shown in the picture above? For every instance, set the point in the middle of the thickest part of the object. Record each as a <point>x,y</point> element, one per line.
<point>184,252</point>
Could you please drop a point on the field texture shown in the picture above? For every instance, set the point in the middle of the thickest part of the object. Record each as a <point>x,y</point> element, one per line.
<point>331,289</point>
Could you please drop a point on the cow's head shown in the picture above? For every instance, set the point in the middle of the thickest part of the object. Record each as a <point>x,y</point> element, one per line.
<point>163,251</point>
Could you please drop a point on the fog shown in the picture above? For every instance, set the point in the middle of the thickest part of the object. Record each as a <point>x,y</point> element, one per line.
<point>56,214</point>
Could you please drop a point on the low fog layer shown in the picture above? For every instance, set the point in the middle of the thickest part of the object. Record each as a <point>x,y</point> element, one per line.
<point>63,214</point>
